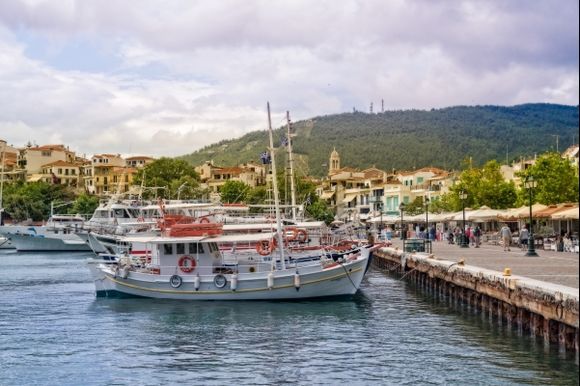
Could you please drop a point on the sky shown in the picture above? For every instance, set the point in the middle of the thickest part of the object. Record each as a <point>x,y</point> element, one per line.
<point>165,78</point>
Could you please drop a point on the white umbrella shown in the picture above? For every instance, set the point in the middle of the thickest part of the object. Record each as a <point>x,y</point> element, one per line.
<point>483,214</point>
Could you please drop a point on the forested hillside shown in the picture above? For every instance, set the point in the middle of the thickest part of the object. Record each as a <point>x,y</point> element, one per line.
<point>412,138</point>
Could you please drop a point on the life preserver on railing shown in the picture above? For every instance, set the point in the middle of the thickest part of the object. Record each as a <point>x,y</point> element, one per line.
<point>265,247</point>
<point>187,264</point>
<point>301,235</point>
<point>290,233</point>
<point>204,220</point>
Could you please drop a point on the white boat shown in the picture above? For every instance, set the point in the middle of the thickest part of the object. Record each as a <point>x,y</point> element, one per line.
<point>193,268</point>
<point>186,263</point>
<point>5,243</point>
<point>58,234</point>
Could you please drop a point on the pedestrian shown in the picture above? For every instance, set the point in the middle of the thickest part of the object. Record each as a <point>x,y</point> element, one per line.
<point>506,236</point>
<point>432,233</point>
<point>524,237</point>
<point>477,236</point>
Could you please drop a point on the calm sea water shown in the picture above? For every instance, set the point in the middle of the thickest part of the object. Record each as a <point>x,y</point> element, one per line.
<point>53,331</point>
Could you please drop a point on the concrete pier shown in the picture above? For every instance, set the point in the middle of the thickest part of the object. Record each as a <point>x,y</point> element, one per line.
<point>539,308</point>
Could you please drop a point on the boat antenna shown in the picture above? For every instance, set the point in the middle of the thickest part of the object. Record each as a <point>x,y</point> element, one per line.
<point>275,188</point>
<point>291,162</point>
<point>142,186</point>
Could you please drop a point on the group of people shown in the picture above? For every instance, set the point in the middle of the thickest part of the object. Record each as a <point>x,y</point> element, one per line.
<point>472,236</point>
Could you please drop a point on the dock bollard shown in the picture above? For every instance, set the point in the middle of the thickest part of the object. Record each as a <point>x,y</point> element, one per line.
<point>507,271</point>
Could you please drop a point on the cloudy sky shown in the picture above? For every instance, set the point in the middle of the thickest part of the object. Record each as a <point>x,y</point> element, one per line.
<point>168,77</point>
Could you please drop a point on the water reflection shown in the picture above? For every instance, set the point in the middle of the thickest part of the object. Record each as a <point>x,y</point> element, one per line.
<point>513,349</point>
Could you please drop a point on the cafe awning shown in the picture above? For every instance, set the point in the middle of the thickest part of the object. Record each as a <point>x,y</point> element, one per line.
<point>567,214</point>
<point>349,197</point>
<point>327,195</point>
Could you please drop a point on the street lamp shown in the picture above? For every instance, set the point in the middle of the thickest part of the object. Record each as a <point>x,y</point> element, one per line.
<point>530,184</point>
<point>380,208</point>
<point>462,197</point>
<point>403,232</point>
<point>427,216</point>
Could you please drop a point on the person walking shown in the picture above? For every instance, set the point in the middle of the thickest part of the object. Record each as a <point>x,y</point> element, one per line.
<point>506,236</point>
<point>477,236</point>
<point>524,237</point>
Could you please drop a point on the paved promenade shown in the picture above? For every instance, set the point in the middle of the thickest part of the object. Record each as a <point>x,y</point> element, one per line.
<point>550,266</point>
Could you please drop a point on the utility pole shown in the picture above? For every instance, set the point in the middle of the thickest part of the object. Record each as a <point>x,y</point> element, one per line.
<point>557,142</point>
<point>382,105</point>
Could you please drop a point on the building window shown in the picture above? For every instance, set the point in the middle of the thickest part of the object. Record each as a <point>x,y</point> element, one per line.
<point>46,153</point>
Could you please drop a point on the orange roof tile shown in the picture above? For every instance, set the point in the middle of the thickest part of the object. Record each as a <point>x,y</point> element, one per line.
<point>61,163</point>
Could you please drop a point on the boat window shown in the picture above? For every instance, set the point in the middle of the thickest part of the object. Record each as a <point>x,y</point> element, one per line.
<point>168,249</point>
<point>195,248</point>
<point>119,213</point>
<point>180,248</point>
<point>134,212</point>
<point>213,247</point>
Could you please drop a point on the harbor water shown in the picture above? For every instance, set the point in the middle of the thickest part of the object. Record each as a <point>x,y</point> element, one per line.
<point>54,331</point>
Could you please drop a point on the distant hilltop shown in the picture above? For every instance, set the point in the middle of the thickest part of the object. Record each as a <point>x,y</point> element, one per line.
<point>411,139</point>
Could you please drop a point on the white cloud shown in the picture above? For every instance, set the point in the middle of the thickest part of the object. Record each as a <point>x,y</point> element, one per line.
<point>183,74</point>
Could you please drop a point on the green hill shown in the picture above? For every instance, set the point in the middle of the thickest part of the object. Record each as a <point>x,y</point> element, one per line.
<point>412,138</point>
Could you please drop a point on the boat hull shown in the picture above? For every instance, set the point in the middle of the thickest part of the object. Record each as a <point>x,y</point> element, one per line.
<point>315,282</point>
<point>5,243</point>
<point>31,243</point>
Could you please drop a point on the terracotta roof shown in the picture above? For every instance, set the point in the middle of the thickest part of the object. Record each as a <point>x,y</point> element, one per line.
<point>373,173</point>
<point>107,156</point>
<point>140,157</point>
<point>232,170</point>
<point>61,163</point>
<point>435,171</point>
<point>49,147</point>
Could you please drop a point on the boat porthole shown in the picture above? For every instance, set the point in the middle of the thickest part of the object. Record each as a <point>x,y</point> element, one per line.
<point>175,281</point>
<point>252,269</point>
<point>220,281</point>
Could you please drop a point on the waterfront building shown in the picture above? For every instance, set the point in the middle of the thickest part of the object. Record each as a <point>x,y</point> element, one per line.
<point>32,159</point>
<point>358,195</point>
<point>571,154</point>
<point>10,158</point>
<point>107,174</point>
<point>214,177</point>
<point>62,172</point>
<point>138,161</point>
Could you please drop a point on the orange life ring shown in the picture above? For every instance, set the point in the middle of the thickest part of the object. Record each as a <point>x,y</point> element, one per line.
<point>265,247</point>
<point>187,264</point>
<point>290,233</point>
<point>204,220</point>
<point>301,235</point>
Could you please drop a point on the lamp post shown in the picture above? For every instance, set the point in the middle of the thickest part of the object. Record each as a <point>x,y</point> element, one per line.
<point>462,197</point>
<point>427,217</point>
<point>380,208</point>
<point>403,232</point>
<point>530,184</point>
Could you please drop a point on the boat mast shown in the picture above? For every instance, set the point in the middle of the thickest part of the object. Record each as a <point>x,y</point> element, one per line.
<point>3,143</point>
<point>275,187</point>
<point>291,162</point>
